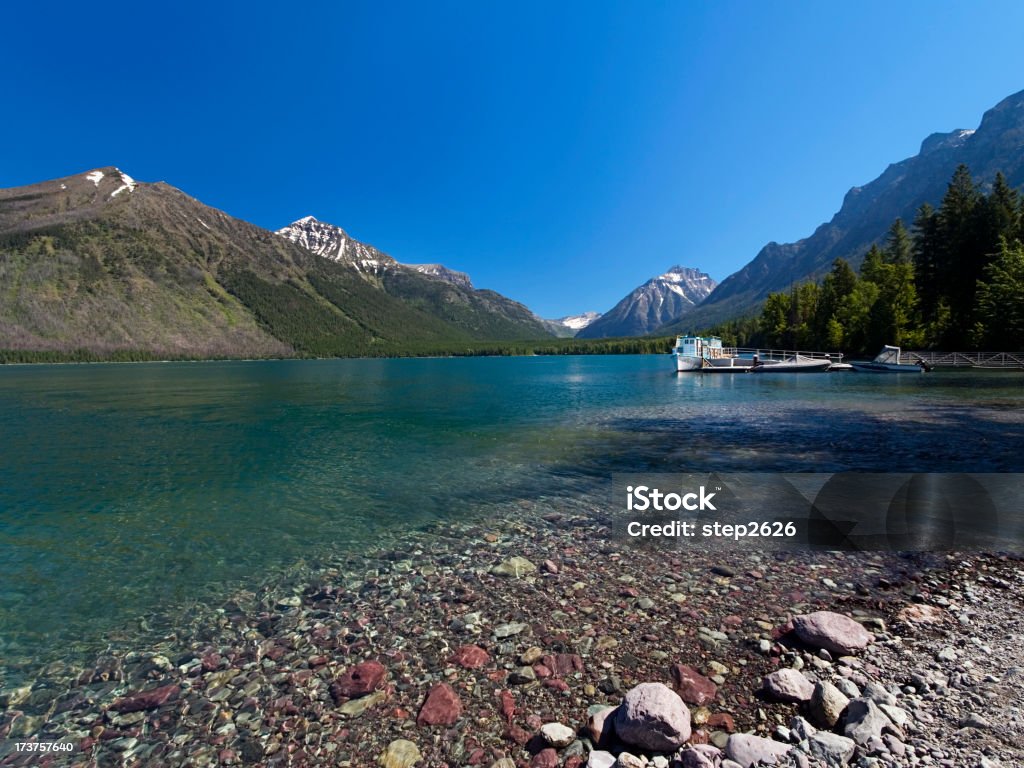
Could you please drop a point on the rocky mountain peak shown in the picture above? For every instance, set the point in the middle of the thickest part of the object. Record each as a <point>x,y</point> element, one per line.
<point>332,242</point>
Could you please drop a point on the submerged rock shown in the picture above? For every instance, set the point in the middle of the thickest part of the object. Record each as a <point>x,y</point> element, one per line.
<point>441,707</point>
<point>514,567</point>
<point>400,753</point>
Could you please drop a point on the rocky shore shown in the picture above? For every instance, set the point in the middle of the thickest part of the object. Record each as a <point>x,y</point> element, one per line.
<point>542,642</point>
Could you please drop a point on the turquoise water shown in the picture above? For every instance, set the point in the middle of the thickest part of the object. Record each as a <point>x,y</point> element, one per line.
<point>129,489</point>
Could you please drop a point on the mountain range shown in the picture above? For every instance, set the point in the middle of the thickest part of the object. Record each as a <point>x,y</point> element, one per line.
<point>98,263</point>
<point>101,264</point>
<point>869,210</point>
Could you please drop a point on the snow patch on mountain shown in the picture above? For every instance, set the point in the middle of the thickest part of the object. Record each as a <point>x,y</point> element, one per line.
<point>578,322</point>
<point>95,177</point>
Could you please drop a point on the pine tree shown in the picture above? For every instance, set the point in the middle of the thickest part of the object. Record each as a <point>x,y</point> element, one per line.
<point>962,260</point>
<point>1001,300</point>
<point>926,260</point>
<point>898,246</point>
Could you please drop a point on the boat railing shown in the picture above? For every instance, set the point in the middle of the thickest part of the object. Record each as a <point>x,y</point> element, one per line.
<point>781,354</point>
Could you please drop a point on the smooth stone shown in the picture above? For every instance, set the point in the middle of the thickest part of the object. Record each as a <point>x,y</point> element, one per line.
<point>701,756</point>
<point>789,685</point>
<point>692,686</point>
<point>748,750</point>
<point>626,760</point>
<point>601,724</point>
<point>832,748</point>
<point>834,632</point>
<point>514,567</point>
<point>827,704</point>
<point>878,694</point>
<point>600,759</point>
<point>508,630</point>
<point>653,717</point>
<point>356,707</point>
<point>557,735</point>
<point>401,753</point>
<point>864,721</point>
<point>360,680</point>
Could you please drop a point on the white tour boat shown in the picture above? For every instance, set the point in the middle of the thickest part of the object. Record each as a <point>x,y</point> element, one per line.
<point>707,355</point>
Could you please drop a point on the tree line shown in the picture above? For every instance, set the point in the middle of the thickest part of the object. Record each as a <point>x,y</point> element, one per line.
<point>954,281</point>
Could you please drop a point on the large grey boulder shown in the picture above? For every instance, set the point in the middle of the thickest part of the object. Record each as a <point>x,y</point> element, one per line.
<point>653,717</point>
<point>834,632</point>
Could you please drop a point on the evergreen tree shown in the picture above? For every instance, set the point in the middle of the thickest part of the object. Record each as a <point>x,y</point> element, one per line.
<point>1001,300</point>
<point>962,259</point>
<point>926,253</point>
<point>898,245</point>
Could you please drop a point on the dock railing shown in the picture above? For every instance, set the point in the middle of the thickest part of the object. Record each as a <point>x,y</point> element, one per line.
<point>967,359</point>
<point>780,354</point>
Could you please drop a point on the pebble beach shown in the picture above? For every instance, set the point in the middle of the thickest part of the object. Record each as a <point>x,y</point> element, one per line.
<point>538,640</point>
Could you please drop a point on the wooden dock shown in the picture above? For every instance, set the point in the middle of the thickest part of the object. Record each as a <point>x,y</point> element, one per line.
<point>997,360</point>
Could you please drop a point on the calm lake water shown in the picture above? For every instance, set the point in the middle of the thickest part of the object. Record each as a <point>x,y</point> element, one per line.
<point>126,490</point>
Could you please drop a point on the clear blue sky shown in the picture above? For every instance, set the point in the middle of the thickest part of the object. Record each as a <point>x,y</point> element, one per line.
<point>559,153</point>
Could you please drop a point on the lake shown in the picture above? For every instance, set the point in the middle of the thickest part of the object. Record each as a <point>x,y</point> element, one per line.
<point>129,491</point>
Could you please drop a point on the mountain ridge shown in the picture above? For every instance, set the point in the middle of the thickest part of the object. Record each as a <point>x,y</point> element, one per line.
<point>867,211</point>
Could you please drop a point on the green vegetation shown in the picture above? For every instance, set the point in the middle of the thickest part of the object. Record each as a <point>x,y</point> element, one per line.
<point>956,282</point>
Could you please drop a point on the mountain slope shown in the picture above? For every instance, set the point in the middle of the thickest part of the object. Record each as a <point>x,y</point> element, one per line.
<point>433,289</point>
<point>651,305</point>
<point>100,263</point>
<point>868,211</point>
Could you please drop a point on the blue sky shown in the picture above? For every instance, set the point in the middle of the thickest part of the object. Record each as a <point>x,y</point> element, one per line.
<point>561,153</point>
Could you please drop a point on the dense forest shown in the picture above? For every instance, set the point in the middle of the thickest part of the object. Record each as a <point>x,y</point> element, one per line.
<point>954,281</point>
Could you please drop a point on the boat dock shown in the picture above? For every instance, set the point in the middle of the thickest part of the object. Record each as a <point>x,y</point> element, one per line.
<point>997,360</point>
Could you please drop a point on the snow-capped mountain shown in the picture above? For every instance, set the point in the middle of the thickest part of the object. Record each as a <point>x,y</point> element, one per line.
<point>578,322</point>
<point>656,302</point>
<point>568,326</point>
<point>333,243</point>
<point>445,293</point>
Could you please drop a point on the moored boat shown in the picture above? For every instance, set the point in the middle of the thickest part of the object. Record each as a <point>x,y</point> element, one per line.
<point>705,354</point>
<point>888,361</point>
<point>798,364</point>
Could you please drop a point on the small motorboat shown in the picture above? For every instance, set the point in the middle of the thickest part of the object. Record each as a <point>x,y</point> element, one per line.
<point>796,364</point>
<point>888,361</point>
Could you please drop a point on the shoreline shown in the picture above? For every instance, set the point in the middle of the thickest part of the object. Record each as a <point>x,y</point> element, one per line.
<point>574,625</point>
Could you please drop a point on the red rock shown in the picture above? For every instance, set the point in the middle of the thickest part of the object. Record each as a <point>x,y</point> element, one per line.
<point>534,721</point>
<point>546,758</point>
<point>562,664</point>
<point>555,684</point>
<point>574,762</point>
<point>700,737</point>
<point>211,661</point>
<point>360,680</point>
<point>541,671</point>
<point>629,592</point>
<point>441,707</point>
<point>518,735</point>
<point>720,721</point>
<point>507,705</point>
<point>141,700</point>
<point>550,566</point>
<point>471,657</point>
<point>692,686</point>
<point>476,756</point>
